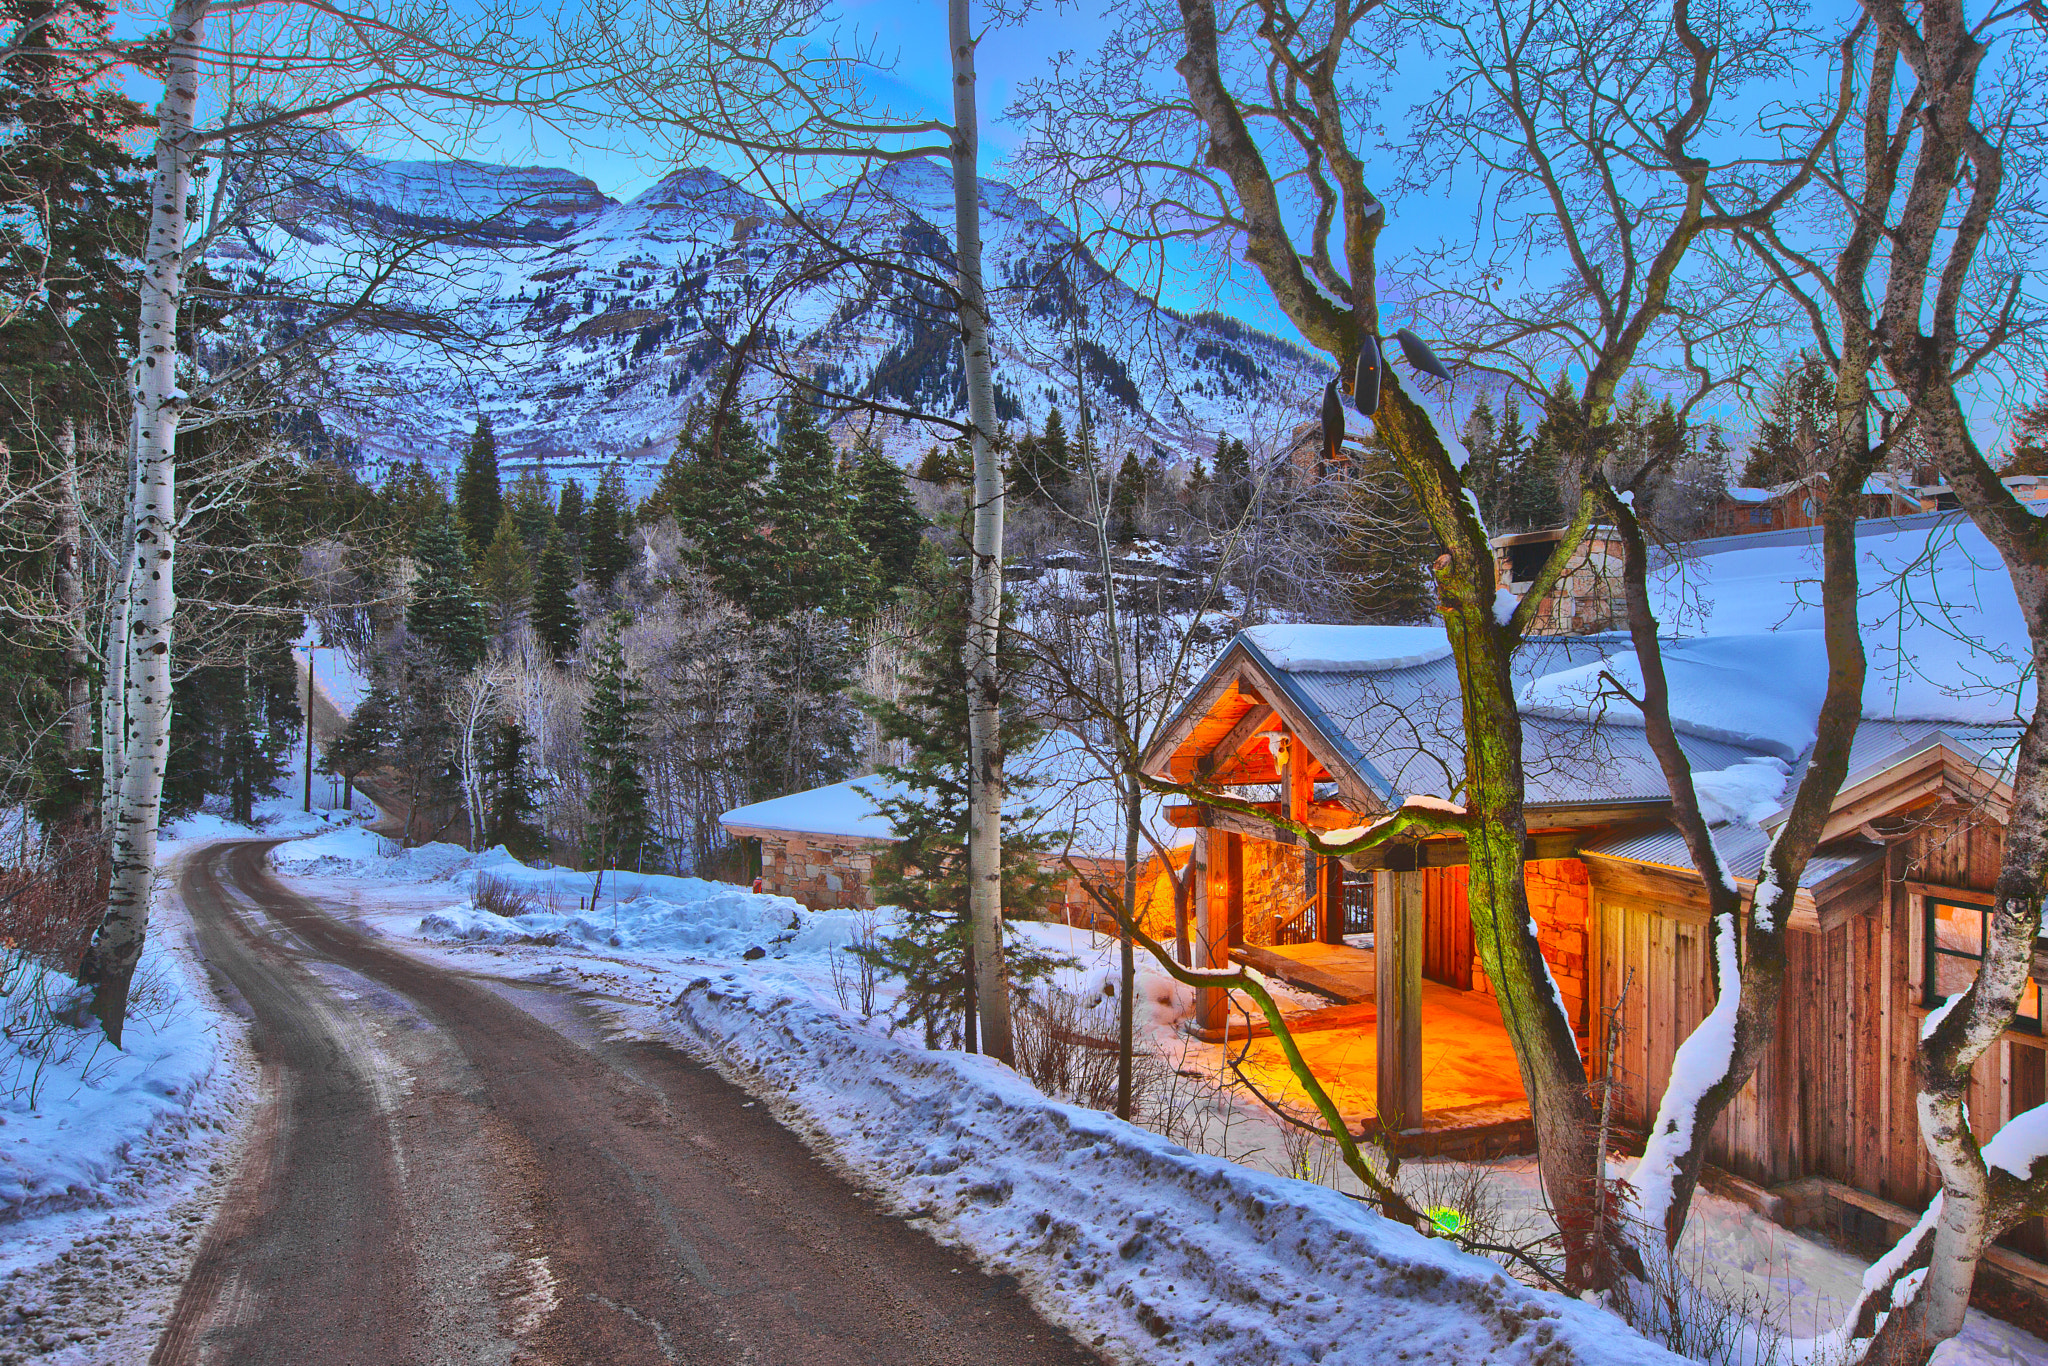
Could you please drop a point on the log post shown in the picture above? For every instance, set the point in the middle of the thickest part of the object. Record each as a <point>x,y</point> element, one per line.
<point>1397,970</point>
<point>1212,947</point>
<point>1333,900</point>
<point>1233,888</point>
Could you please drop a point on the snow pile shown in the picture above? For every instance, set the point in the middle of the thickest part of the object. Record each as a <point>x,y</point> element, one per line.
<point>1151,1253</point>
<point>1747,792</point>
<point>652,914</point>
<point>357,853</point>
<point>79,1118</point>
<point>1760,691</point>
<point>1312,648</point>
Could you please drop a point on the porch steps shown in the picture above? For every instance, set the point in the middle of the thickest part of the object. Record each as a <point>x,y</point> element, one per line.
<point>1346,979</point>
<point>1333,1017</point>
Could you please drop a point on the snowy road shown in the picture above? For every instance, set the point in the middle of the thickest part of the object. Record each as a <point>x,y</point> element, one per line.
<point>467,1170</point>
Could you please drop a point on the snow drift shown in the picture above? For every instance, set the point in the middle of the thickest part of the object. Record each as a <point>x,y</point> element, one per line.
<point>1148,1251</point>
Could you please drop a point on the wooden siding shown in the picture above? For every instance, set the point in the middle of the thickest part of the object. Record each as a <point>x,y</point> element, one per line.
<point>1834,1096</point>
<point>1446,927</point>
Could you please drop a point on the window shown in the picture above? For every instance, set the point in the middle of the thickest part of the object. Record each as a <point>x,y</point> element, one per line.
<point>1956,932</point>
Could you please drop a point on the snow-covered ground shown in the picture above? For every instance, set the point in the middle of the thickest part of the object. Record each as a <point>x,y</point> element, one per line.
<point>111,1160</point>
<point>1168,1254</point>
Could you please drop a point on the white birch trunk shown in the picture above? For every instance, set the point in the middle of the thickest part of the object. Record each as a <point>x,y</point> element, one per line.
<point>70,586</point>
<point>151,600</point>
<point>984,694</point>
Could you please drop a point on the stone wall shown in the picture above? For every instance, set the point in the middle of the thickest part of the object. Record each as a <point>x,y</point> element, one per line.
<point>1589,598</point>
<point>824,872</point>
<point>1561,904</point>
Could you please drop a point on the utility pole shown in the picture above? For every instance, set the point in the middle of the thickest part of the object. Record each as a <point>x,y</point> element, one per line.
<point>309,726</point>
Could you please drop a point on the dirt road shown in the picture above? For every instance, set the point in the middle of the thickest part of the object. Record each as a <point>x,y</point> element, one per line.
<point>463,1171</point>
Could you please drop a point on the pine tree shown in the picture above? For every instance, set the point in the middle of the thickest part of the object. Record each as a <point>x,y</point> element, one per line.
<point>817,563</point>
<point>605,550</point>
<point>479,495</point>
<point>716,500</point>
<point>804,723</point>
<point>619,831</point>
<point>569,517</point>
<point>1044,463</point>
<point>508,794</point>
<point>1127,500</point>
<point>411,497</point>
<point>886,521</point>
<point>441,610</point>
<point>944,465</point>
<point>503,576</point>
<point>1387,544</point>
<point>1791,441</point>
<point>924,873</point>
<point>1233,483</point>
<point>365,739</point>
<point>2029,451</point>
<point>1482,470</point>
<point>533,509</point>
<point>555,618</point>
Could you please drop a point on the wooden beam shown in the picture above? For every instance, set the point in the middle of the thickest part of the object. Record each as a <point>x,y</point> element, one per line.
<point>1211,944</point>
<point>1451,852</point>
<point>1397,963</point>
<point>1235,739</point>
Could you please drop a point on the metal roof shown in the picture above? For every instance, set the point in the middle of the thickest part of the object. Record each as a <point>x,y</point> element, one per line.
<point>1742,849</point>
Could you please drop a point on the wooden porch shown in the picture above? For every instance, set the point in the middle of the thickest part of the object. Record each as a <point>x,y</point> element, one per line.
<point>1471,1097</point>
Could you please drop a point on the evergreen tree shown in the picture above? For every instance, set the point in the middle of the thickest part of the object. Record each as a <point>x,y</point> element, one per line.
<point>533,509</point>
<point>943,465</point>
<point>1387,543</point>
<point>1482,471</point>
<point>569,517</point>
<point>1233,482</point>
<point>238,724</point>
<point>606,552</point>
<point>804,724</point>
<point>503,576</point>
<point>411,497</point>
<point>1127,500</point>
<point>619,831</point>
<point>508,794</point>
<point>817,563</point>
<point>479,495</point>
<point>886,521</point>
<point>365,740</point>
<point>1044,463</point>
<point>925,872</point>
<point>716,501</point>
<point>1536,498</point>
<point>1791,441</point>
<point>442,610</point>
<point>556,619</point>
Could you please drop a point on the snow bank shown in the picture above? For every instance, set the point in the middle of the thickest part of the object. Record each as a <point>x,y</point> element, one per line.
<point>1312,648</point>
<point>1151,1253</point>
<point>682,916</point>
<point>81,1120</point>
<point>357,853</point>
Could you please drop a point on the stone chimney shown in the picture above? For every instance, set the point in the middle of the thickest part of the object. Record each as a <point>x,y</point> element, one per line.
<point>1588,599</point>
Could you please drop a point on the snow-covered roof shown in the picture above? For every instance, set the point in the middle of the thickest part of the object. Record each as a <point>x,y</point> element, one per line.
<point>1059,775</point>
<point>1312,648</point>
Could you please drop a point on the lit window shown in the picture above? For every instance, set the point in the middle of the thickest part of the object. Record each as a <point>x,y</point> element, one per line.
<point>1956,934</point>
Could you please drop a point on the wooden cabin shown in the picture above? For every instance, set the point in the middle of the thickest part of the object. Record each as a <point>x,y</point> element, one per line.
<point>1336,725</point>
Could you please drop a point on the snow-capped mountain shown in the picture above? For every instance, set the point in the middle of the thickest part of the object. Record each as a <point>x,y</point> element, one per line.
<point>608,320</point>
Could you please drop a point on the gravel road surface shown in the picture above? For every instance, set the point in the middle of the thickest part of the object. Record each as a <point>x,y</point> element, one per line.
<point>455,1169</point>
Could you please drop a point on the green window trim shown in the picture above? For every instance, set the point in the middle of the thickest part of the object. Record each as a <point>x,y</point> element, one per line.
<point>1968,925</point>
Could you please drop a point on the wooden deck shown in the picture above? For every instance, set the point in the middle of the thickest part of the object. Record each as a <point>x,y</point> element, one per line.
<point>1472,1096</point>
